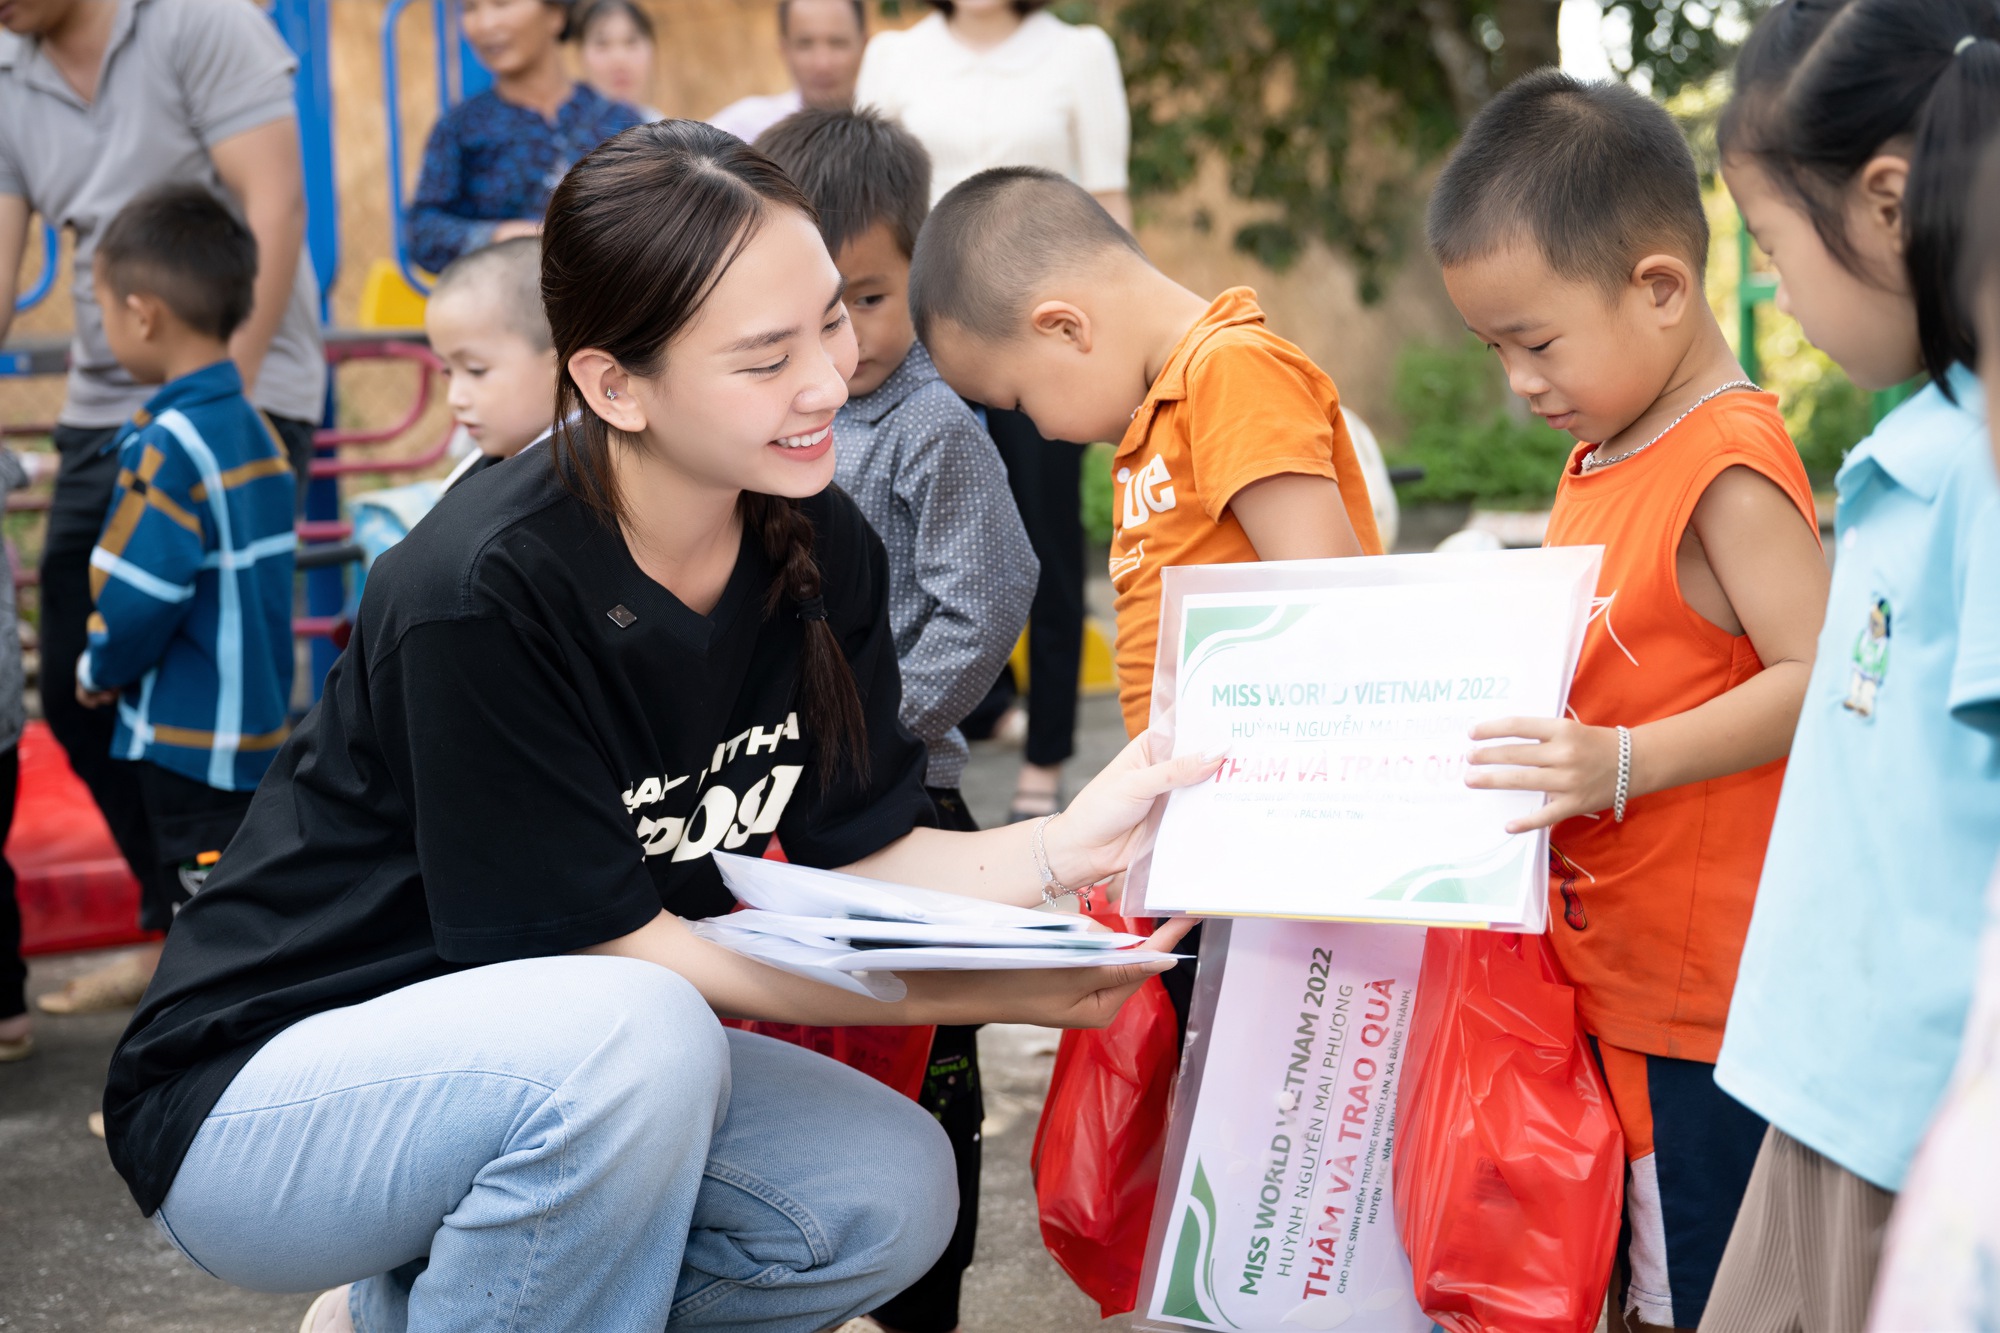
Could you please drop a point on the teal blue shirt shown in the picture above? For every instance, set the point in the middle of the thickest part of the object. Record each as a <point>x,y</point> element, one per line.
<point>1858,969</point>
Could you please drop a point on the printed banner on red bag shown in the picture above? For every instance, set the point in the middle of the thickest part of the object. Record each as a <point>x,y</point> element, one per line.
<point>1283,1215</point>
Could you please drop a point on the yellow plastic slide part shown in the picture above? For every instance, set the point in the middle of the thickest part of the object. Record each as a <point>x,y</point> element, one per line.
<point>387,301</point>
<point>1095,673</point>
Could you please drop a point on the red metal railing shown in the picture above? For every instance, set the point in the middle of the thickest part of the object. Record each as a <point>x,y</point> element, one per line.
<point>341,349</point>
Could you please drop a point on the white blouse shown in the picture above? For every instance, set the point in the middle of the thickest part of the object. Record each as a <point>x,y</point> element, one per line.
<point>1049,96</point>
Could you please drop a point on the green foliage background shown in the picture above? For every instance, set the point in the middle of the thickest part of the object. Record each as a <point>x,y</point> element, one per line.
<point>1460,427</point>
<point>1328,111</point>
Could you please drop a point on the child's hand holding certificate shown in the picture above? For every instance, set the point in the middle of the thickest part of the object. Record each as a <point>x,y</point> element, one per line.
<point>1345,692</point>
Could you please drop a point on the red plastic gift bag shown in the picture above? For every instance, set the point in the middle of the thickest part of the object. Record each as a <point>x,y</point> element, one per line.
<point>896,1056</point>
<point>1098,1146</point>
<point>1510,1167</point>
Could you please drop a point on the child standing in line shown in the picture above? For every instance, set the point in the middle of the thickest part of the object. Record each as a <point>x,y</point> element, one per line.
<point>1230,442</point>
<point>192,636</point>
<point>485,321</point>
<point>1849,144</point>
<point>1569,223</point>
<point>1944,1240</point>
<point>961,573</point>
<point>1231,445</point>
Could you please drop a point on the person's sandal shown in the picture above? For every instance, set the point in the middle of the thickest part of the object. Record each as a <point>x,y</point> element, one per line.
<point>1029,805</point>
<point>118,986</point>
<point>328,1313</point>
<point>17,1048</point>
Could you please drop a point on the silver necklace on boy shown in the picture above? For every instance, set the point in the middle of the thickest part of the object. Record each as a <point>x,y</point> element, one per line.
<point>1591,462</point>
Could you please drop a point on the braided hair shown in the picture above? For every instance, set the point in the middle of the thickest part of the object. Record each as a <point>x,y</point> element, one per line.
<point>635,239</point>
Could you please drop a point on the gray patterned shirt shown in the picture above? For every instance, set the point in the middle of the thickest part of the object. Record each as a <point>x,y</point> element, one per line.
<point>961,573</point>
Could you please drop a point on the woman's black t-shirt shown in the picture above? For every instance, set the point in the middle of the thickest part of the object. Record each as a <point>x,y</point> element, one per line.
<point>528,747</point>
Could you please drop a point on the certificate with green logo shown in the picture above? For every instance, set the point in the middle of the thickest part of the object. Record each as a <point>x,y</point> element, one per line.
<point>1344,692</point>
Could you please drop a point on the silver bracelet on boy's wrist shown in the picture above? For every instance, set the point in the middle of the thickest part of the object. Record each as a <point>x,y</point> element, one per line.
<point>1624,775</point>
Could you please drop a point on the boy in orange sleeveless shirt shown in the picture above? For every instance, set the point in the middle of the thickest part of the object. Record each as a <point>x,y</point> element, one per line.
<point>1570,226</point>
<point>1231,445</point>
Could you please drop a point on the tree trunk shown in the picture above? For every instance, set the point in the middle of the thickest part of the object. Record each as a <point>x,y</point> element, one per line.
<point>1529,27</point>
<point>1464,60</point>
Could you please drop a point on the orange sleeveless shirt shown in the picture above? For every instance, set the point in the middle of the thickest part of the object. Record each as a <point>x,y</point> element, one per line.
<point>1649,916</point>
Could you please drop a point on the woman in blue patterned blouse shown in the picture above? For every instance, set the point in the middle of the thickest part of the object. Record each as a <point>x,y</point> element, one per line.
<point>493,159</point>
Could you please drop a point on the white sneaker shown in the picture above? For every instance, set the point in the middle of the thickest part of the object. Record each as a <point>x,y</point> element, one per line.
<point>328,1313</point>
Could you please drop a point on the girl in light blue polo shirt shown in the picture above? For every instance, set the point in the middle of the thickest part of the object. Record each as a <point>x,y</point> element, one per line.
<point>1848,145</point>
<point>1944,1244</point>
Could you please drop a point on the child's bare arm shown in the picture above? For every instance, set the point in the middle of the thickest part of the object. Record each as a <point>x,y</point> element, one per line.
<point>1295,516</point>
<point>1770,567</point>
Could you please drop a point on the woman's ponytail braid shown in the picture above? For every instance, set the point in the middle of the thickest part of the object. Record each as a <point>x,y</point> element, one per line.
<point>827,694</point>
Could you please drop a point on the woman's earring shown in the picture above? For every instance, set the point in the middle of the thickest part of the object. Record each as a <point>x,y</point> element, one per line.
<point>611,393</point>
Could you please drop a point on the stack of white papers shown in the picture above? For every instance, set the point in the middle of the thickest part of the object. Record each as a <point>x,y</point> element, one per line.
<point>857,933</point>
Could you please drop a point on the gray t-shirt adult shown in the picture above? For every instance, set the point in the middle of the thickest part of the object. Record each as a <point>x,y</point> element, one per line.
<point>179,77</point>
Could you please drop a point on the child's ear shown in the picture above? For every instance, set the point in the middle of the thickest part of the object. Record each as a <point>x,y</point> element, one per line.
<point>1064,322</point>
<point>147,314</point>
<point>607,390</point>
<point>1669,284</point>
<point>1880,186</point>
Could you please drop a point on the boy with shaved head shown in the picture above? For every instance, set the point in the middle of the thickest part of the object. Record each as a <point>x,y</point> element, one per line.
<point>1230,441</point>
<point>485,321</point>
<point>1569,224</point>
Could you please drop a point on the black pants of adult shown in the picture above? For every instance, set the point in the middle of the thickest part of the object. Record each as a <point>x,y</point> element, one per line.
<point>951,1093</point>
<point>84,482</point>
<point>1046,477</point>
<point>13,970</point>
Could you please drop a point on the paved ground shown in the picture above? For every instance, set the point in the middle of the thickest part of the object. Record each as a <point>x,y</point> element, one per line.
<point>76,1255</point>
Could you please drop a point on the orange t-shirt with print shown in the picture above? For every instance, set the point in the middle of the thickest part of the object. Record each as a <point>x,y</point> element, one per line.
<point>1234,404</point>
<point>1648,916</point>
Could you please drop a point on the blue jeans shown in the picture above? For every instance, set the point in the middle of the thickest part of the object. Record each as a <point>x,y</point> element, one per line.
<point>562,1143</point>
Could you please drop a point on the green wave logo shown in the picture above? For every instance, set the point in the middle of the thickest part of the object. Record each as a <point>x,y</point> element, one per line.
<point>1210,631</point>
<point>1493,876</point>
<point>1191,1279</point>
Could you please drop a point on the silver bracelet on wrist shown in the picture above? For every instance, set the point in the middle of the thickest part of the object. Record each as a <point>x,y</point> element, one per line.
<point>1624,774</point>
<point>1053,889</point>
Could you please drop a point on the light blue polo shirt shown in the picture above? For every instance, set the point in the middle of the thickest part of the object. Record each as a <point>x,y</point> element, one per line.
<point>1858,969</point>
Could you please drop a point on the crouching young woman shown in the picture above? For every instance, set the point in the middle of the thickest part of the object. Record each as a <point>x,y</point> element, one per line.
<point>435,1034</point>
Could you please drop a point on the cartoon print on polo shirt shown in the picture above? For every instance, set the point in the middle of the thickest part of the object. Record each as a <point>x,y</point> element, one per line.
<point>711,815</point>
<point>1871,660</point>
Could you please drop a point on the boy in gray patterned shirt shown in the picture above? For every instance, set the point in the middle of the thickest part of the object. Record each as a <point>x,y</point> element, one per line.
<point>961,573</point>
<point>908,449</point>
